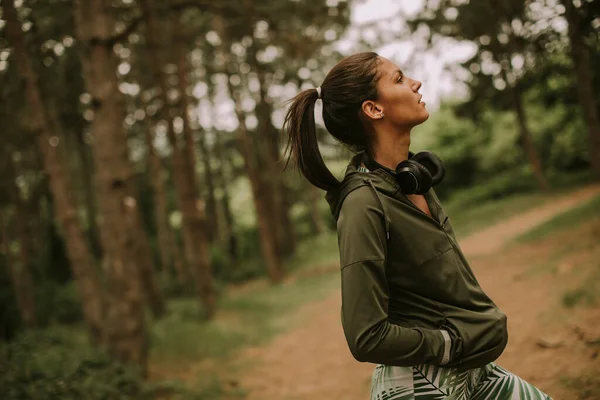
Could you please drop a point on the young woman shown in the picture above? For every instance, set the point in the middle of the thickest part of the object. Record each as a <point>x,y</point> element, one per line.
<point>410,301</point>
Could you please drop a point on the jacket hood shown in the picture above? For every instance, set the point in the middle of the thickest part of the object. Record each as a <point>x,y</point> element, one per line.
<point>355,177</point>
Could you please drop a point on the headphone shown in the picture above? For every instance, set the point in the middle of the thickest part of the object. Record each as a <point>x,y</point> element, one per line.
<point>416,175</point>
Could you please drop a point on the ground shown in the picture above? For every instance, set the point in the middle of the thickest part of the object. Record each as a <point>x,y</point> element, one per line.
<point>550,345</point>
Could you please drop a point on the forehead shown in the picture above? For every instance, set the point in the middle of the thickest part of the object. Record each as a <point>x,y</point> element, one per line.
<point>386,67</point>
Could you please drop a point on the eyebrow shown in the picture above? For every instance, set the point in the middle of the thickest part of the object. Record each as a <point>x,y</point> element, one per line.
<point>399,71</point>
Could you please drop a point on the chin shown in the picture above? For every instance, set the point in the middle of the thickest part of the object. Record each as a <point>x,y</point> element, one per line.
<point>422,118</point>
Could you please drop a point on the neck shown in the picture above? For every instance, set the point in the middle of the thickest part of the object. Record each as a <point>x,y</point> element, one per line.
<point>390,150</point>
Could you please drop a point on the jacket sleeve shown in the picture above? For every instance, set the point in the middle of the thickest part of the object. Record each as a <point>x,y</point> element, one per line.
<point>365,295</point>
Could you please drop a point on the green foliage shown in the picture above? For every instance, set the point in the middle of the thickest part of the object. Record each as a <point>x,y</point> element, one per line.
<point>10,319</point>
<point>501,185</point>
<point>314,251</point>
<point>58,364</point>
<point>249,264</point>
<point>56,303</point>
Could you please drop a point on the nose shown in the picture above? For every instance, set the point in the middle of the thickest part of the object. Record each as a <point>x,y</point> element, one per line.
<point>416,85</point>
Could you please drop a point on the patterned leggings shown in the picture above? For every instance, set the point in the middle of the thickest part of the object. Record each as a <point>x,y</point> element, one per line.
<point>428,382</point>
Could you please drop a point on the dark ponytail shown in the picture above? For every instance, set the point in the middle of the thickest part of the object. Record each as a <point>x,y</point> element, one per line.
<point>352,81</point>
<point>303,144</point>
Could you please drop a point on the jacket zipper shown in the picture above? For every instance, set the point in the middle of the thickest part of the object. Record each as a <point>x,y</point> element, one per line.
<point>427,216</point>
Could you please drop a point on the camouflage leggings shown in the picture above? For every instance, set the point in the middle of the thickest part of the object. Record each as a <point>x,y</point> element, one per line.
<point>428,382</point>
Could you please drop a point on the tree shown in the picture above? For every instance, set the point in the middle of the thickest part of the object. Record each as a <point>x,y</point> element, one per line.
<point>20,272</point>
<point>260,193</point>
<point>585,87</point>
<point>81,259</point>
<point>183,164</point>
<point>503,34</point>
<point>169,252</point>
<point>126,331</point>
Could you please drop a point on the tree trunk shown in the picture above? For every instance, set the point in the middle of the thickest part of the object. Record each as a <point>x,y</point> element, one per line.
<point>526,142</point>
<point>166,237</point>
<point>585,88</point>
<point>145,262</point>
<point>126,330</point>
<point>315,215</point>
<point>194,229</point>
<point>81,259</point>
<point>229,222</point>
<point>211,204</point>
<point>197,226</point>
<point>261,195</point>
<point>20,272</point>
<point>267,147</point>
<point>261,192</point>
<point>91,207</point>
<point>20,280</point>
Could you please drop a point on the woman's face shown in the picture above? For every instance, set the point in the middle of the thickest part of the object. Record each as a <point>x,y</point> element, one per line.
<point>399,97</point>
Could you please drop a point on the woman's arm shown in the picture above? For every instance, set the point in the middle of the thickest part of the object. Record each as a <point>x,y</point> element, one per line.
<point>365,294</point>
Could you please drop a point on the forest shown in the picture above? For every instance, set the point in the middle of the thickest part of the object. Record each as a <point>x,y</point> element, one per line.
<point>142,179</point>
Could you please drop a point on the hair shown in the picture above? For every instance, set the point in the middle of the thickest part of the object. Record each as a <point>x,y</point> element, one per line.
<point>349,83</point>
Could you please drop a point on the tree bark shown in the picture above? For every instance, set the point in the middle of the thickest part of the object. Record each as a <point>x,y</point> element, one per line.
<point>261,191</point>
<point>20,272</point>
<point>211,202</point>
<point>91,207</point>
<point>266,146</point>
<point>126,330</point>
<point>585,88</point>
<point>197,226</point>
<point>261,194</point>
<point>194,228</point>
<point>166,237</point>
<point>225,200</point>
<point>81,259</point>
<point>145,262</point>
<point>526,142</point>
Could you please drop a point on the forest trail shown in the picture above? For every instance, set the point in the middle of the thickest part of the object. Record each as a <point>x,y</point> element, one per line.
<point>547,340</point>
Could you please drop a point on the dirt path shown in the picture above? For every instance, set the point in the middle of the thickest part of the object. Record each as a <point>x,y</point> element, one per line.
<point>492,239</point>
<point>313,361</point>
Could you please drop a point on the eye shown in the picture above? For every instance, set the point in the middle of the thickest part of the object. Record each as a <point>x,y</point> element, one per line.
<point>400,79</point>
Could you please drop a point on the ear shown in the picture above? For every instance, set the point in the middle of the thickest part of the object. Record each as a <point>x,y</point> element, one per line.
<point>372,110</point>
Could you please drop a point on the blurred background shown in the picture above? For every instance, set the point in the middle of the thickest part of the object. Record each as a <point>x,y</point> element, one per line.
<point>148,232</point>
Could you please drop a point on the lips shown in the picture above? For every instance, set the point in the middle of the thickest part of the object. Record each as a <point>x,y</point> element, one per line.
<point>420,97</point>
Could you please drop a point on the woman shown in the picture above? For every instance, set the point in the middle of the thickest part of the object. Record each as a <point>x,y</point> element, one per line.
<point>410,301</point>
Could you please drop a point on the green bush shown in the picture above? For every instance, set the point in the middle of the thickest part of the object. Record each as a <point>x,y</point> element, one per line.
<point>57,364</point>
<point>57,303</point>
<point>10,319</point>
<point>518,180</point>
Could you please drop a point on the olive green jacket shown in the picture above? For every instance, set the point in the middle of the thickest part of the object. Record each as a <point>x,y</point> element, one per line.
<point>409,296</point>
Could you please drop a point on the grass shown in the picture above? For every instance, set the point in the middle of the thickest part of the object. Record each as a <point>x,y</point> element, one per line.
<point>588,385</point>
<point>247,319</point>
<point>585,241</point>
<point>469,215</point>
<point>565,220</point>
<point>467,220</point>
<point>317,250</point>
